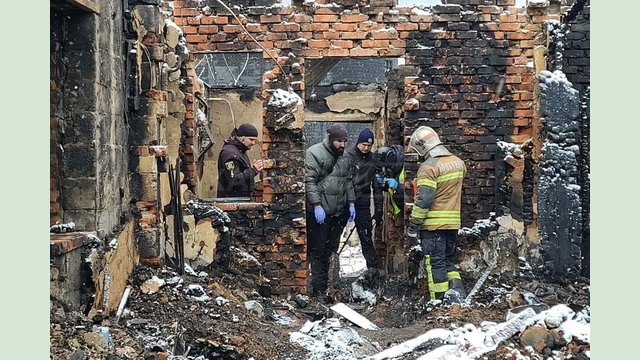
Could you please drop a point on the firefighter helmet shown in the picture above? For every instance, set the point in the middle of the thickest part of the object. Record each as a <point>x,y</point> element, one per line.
<point>423,140</point>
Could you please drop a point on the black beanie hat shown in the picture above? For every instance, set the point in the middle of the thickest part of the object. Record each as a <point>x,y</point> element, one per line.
<point>366,136</point>
<point>247,130</point>
<point>337,132</point>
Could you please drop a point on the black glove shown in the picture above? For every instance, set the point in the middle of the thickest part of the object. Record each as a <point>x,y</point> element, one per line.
<point>412,231</point>
<point>378,217</point>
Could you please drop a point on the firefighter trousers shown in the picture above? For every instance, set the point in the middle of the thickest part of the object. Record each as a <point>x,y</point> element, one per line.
<point>439,248</point>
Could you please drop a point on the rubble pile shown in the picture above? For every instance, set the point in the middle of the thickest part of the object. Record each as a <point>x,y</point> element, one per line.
<point>215,314</point>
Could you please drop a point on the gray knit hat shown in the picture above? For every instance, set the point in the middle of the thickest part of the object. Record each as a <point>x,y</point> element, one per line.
<point>337,132</point>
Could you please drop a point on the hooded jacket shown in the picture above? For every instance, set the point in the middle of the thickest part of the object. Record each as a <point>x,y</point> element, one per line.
<point>328,179</point>
<point>235,173</point>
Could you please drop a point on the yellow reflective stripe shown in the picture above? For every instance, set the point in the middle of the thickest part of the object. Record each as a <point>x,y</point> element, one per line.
<point>453,275</point>
<point>401,176</point>
<point>427,182</point>
<point>396,209</point>
<point>441,222</point>
<point>427,267</point>
<point>419,213</point>
<point>451,176</point>
<point>433,286</point>
<point>420,210</point>
<point>439,287</point>
<point>444,213</point>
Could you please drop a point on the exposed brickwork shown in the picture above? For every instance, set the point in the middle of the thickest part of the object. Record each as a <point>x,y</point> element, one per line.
<point>162,110</point>
<point>475,85</point>
<point>577,51</point>
<point>88,137</point>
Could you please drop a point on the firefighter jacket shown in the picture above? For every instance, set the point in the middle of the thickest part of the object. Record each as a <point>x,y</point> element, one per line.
<point>363,170</point>
<point>235,173</point>
<point>437,203</point>
<point>328,179</point>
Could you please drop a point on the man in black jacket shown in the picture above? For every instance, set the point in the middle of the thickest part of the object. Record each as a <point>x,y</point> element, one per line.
<point>330,202</point>
<point>235,173</point>
<point>363,170</point>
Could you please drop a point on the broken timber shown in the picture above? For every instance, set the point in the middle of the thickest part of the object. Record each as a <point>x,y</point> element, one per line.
<point>354,317</point>
<point>478,284</point>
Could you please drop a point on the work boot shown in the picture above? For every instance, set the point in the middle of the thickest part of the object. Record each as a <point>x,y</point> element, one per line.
<point>456,284</point>
<point>453,297</point>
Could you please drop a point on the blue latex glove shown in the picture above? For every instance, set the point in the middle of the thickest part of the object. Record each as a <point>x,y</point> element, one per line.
<point>392,183</point>
<point>318,211</point>
<point>379,179</point>
<point>352,213</point>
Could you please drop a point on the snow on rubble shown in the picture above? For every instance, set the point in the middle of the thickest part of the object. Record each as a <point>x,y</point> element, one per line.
<point>284,99</point>
<point>330,339</point>
<point>479,225</point>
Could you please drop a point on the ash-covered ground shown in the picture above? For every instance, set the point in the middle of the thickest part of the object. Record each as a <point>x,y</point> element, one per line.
<point>214,314</point>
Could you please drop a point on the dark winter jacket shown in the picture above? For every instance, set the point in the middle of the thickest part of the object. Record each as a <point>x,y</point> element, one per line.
<point>328,179</point>
<point>363,170</point>
<point>235,173</point>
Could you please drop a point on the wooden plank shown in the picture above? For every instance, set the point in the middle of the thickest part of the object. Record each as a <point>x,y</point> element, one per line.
<point>88,5</point>
<point>354,317</point>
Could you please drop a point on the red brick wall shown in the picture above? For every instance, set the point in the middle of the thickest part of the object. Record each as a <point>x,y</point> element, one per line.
<point>470,48</point>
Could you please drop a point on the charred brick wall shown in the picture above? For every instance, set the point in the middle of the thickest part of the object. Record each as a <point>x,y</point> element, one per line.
<point>57,71</point>
<point>577,52</point>
<point>475,84</point>
<point>161,108</point>
<point>475,88</point>
<point>88,127</point>
<point>576,67</point>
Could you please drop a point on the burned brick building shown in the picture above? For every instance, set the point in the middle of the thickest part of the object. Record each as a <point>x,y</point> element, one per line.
<point>139,87</point>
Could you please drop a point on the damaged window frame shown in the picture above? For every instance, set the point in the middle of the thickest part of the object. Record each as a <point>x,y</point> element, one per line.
<point>218,96</point>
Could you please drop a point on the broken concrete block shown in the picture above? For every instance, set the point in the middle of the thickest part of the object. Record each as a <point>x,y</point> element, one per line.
<point>152,285</point>
<point>172,34</point>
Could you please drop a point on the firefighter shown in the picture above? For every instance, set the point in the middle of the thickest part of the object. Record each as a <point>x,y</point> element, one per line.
<point>235,172</point>
<point>435,217</point>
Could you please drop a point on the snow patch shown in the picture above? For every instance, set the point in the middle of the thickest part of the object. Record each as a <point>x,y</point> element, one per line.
<point>328,340</point>
<point>283,99</point>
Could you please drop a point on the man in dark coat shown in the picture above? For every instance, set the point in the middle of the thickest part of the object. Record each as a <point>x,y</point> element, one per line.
<point>235,173</point>
<point>363,170</point>
<point>330,202</point>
